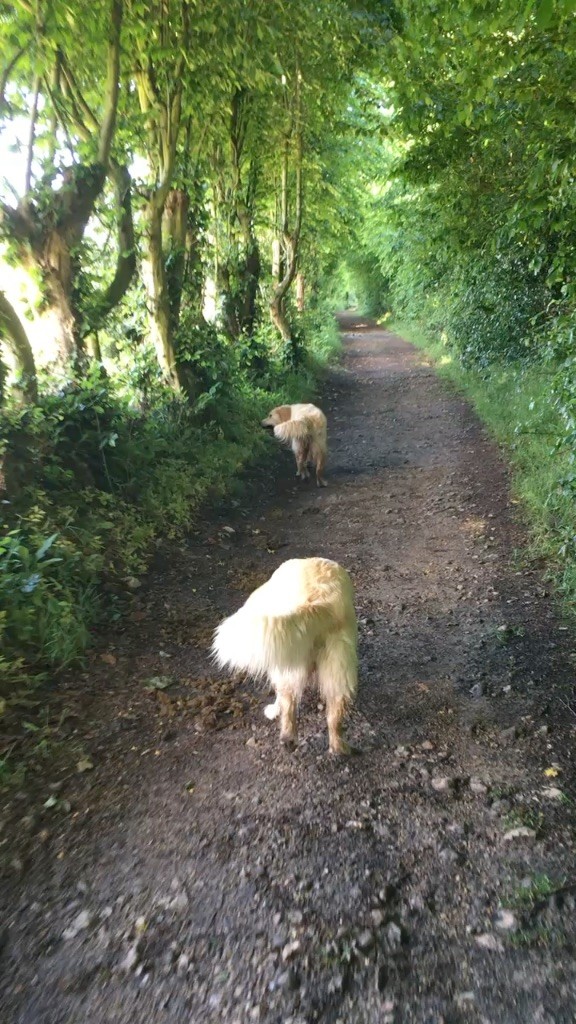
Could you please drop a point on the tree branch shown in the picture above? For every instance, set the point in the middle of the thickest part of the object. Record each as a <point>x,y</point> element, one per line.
<point>15,224</point>
<point>58,107</point>
<point>105,302</point>
<point>16,341</point>
<point>6,74</point>
<point>32,136</point>
<point>76,96</point>
<point>112,83</point>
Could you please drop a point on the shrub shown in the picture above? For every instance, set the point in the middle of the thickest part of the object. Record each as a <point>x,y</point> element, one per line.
<point>96,472</point>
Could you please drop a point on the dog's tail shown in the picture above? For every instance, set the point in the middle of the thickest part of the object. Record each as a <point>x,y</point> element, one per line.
<point>253,642</point>
<point>294,430</point>
<point>262,645</point>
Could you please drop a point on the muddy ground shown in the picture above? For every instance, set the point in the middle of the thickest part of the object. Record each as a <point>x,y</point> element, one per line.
<point>179,866</point>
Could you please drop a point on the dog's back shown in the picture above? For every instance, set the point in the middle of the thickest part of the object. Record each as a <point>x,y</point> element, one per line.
<point>307,411</point>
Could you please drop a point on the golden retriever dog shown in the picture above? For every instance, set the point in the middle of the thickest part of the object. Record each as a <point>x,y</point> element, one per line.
<point>298,627</point>
<point>303,427</point>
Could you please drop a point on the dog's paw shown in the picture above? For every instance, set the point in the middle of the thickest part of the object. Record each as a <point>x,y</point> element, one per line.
<point>272,711</point>
<point>321,483</point>
<point>288,742</point>
<point>344,749</point>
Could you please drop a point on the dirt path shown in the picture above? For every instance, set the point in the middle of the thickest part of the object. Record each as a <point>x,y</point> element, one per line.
<point>200,874</point>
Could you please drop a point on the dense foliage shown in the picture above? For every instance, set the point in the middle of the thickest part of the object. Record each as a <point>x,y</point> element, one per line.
<point>468,228</point>
<point>473,221</point>
<point>162,276</point>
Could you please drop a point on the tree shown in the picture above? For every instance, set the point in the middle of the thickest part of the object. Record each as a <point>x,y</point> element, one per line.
<point>46,226</point>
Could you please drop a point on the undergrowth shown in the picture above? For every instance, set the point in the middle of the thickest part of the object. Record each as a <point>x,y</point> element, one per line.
<point>527,406</point>
<point>99,470</point>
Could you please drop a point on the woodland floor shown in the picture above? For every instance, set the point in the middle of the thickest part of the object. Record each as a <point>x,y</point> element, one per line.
<point>182,867</point>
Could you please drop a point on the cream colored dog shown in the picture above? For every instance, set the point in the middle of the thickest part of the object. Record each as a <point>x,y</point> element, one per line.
<point>298,625</point>
<point>303,427</point>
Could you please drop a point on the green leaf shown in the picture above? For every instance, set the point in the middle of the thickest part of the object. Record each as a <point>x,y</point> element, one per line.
<point>46,546</point>
<point>543,13</point>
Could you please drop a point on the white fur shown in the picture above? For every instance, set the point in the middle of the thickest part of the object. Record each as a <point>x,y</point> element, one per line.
<point>272,710</point>
<point>300,623</point>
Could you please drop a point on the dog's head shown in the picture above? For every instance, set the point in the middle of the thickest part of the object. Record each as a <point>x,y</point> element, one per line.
<point>279,415</point>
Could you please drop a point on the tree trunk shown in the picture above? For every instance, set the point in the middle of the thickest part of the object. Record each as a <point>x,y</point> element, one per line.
<point>93,346</point>
<point>291,239</point>
<point>228,313</point>
<point>162,322</point>
<point>154,269</point>
<point>300,292</point>
<point>277,304</point>
<point>174,230</point>
<point>250,265</point>
<point>57,311</point>
<point>252,268</point>
<point>280,321</point>
<point>276,275</point>
<point>193,273</point>
<point>16,341</point>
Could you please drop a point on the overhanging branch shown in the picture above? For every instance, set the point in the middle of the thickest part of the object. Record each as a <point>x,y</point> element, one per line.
<point>106,301</point>
<point>112,82</point>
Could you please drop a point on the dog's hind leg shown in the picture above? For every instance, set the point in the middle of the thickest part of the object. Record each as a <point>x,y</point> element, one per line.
<point>319,457</point>
<point>335,712</point>
<point>288,723</point>
<point>337,681</point>
<point>289,688</point>
<point>301,455</point>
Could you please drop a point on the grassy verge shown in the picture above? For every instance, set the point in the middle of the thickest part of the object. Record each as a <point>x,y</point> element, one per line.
<point>515,401</point>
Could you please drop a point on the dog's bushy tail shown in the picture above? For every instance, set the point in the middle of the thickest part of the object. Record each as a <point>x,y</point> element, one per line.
<point>252,642</point>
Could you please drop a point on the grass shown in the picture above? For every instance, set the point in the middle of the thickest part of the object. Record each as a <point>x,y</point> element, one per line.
<point>528,896</point>
<point>524,817</point>
<point>513,400</point>
<point>528,900</point>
